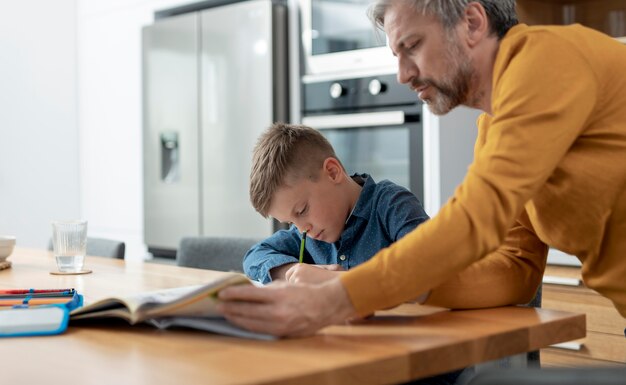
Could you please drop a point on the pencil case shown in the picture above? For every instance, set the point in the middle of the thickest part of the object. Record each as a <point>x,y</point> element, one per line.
<point>37,320</point>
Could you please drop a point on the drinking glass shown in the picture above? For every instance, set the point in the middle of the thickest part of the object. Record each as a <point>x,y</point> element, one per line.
<point>69,245</point>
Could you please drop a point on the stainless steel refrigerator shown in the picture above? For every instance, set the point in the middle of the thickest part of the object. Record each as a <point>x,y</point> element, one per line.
<point>213,80</point>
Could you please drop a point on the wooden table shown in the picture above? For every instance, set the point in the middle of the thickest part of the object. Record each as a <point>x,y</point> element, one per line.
<point>408,342</point>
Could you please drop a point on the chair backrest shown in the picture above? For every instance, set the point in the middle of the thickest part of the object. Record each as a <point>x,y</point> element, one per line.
<point>551,376</point>
<point>106,248</point>
<point>101,247</point>
<point>214,253</point>
<point>536,301</point>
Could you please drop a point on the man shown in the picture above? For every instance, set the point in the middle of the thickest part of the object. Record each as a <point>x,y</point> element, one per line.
<point>549,165</point>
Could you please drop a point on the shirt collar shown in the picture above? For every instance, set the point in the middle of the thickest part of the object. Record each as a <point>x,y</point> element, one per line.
<point>362,207</point>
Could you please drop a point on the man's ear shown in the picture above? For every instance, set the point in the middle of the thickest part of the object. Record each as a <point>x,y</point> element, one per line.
<point>333,170</point>
<point>476,22</point>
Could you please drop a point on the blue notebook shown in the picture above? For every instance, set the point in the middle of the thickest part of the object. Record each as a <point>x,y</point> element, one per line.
<point>31,318</point>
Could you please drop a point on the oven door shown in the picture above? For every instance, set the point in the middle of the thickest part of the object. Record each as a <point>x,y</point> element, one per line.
<point>338,37</point>
<point>384,144</point>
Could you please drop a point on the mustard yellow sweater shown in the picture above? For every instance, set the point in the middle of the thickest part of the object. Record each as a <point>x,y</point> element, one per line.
<point>549,168</point>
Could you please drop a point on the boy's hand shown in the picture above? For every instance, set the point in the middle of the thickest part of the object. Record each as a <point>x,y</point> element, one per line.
<point>304,273</point>
<point>333,267</point>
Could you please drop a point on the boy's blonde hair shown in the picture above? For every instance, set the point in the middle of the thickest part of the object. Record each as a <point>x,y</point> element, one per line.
<point>285,151</point>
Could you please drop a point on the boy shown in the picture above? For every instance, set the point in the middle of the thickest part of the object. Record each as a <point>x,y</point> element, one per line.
<point>296,178</point>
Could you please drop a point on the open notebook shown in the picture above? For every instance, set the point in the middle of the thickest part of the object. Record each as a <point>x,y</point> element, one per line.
<point>190,306</point>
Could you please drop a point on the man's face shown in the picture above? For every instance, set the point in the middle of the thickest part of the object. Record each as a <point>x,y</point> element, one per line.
<point>431,61</point>
<point>316,206</point>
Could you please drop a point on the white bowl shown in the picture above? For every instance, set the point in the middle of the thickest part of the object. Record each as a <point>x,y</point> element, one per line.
<point>7,242</point>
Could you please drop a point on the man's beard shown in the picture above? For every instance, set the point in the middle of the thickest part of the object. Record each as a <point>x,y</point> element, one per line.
<point>453,89</point>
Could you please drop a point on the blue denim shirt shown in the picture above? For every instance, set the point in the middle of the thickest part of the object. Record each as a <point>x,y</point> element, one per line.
<point>384,213</point>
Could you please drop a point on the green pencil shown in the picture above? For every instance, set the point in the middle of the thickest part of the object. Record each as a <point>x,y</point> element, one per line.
<point>302,243</point>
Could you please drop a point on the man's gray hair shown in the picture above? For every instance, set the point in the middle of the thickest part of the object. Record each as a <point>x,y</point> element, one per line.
<point>501,13</point>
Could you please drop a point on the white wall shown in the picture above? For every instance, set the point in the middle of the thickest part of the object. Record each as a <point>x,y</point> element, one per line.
<point>110,120</point>
<point>70,95</point>
<point>38,118</point>
<point>70,117</point>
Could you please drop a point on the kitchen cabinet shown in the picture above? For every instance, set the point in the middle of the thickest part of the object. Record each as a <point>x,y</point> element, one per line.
<point>605,343</point>
<point>608,16</point>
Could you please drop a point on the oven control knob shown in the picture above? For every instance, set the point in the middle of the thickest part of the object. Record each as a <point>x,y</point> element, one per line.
<point>376,87</point>
<point>337,90</point>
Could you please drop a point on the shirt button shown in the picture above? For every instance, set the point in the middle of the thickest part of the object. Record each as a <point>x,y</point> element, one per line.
<point>343,257</point>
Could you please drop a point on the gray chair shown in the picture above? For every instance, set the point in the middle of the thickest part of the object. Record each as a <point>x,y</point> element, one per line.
<point>551,376</point>
<point>214,253</point>
<point>101,247</point>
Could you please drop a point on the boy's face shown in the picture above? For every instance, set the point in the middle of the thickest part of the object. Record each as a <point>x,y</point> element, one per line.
<point>320,207</point>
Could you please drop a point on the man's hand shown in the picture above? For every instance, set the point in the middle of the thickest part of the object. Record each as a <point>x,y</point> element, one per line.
<point>284,309</point>
<point>304,273</point>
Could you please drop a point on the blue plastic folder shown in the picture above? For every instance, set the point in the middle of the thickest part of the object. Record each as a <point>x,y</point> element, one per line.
<point>29,319</point>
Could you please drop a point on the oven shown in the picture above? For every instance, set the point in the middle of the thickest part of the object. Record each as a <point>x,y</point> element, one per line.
<point>337,37</point>
<point>374,125</point>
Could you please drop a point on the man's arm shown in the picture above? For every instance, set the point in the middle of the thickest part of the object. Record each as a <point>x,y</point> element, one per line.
<point>515,268</point>
<point>510,275</point>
